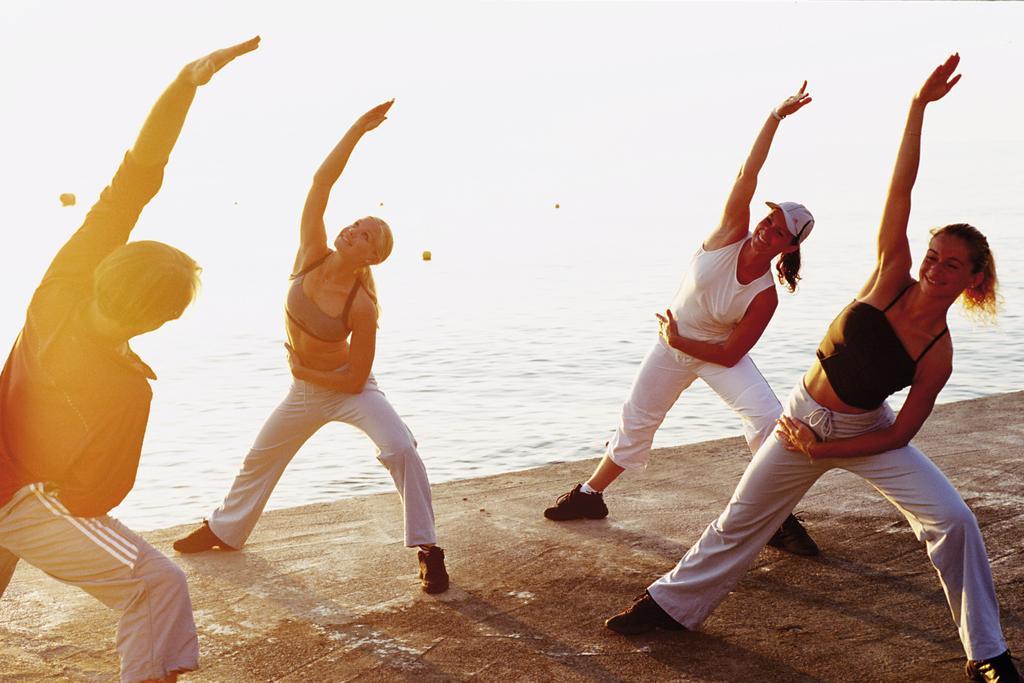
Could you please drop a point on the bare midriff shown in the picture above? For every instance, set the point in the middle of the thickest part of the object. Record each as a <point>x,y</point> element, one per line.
<point>316,353</point>
<point>821,390</point>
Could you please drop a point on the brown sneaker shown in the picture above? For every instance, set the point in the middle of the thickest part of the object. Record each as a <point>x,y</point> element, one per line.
<point>642,616</point>
<point>996,670</point>
<point>200,540</point>
<point>433,575</point>
<point>577,505</point>
<point>792,537</point>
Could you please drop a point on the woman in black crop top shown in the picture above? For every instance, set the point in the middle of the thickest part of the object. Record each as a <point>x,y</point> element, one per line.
<point>331,320</point>
<point>891,336</point>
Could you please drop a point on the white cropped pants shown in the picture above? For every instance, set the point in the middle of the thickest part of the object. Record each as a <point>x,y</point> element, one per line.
<point>777,479</point>
<point>305,409</point>
<point>156,635</point>
<point>663,376</point>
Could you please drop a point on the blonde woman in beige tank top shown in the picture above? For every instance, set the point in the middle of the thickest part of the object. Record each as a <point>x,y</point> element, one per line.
<point>331,321</point>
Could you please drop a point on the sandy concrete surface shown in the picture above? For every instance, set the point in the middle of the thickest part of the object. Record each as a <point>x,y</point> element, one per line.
<point>328,593</point>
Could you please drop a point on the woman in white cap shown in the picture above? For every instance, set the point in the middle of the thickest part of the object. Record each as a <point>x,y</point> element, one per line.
<point>893,335</point>
<point>722,308</point>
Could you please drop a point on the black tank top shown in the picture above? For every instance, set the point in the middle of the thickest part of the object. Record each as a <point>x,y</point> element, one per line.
<point>863,359</point>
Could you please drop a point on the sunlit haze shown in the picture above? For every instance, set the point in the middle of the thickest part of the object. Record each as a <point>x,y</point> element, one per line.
<point>632,117</point>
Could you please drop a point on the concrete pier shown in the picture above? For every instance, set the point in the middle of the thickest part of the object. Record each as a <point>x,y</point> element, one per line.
<point>328,592</point>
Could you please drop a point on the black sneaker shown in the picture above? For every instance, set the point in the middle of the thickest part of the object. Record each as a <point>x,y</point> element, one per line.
<point>793,538</point>
<point>200,540</point>
<point>996,670</point>
<point>433,575</point>
<point>576,505</point>
<point>642,616</point>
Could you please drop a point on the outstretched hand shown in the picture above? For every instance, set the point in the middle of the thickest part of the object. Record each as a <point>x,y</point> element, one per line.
<point>941,81</point>
<point>202,70</point>
<point>794,103</point>
<point>374,117</point>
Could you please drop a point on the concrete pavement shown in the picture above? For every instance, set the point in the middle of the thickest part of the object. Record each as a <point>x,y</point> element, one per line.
<point>328,592</point>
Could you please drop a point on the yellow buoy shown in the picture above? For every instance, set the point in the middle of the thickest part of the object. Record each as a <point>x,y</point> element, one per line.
<point>67,199</point>
<point>426,256</point>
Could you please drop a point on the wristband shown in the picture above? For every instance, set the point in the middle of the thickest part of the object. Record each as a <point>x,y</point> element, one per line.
<point>776,115</point>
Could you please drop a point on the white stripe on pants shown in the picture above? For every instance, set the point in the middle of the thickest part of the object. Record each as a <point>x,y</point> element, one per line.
<point>156,635</point>
<point>305,409</point>
<point>777,479</point>
<point>663,376</point>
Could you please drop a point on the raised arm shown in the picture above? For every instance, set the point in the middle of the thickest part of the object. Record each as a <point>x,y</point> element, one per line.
<point>743,337</point>
<point>312,233</point>
<point>163,125</point>
<point>112,218</point>
<point>736,216</point>
<point>894,260</point>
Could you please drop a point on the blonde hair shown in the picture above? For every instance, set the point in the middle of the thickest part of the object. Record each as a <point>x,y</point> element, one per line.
<point>385,242</point>
<point>144,284</point>
<point>982,302</point>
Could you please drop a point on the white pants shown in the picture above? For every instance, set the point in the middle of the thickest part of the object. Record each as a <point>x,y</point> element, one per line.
<point>663,376</point>
<point>156,635</point>
<point>305,409</point>
<point>777,479</point>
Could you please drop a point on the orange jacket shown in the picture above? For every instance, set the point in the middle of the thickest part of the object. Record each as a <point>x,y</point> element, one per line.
<point>73,411</point>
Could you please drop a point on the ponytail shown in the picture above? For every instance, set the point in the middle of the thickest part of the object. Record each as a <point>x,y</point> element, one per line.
<point>788,267</point>
<point>365,276</point>
<point>385,242</point>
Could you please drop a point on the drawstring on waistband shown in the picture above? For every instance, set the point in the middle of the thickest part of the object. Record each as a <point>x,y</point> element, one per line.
<point>821,421</point>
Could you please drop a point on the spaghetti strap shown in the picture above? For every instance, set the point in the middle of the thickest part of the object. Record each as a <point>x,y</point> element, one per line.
<point>939,336</point>
<point>348,302</point>
<point>898,296</point>
<point>295,276</point>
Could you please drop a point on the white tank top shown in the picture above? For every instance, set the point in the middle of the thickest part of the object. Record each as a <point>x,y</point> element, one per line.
<point>710,300</point>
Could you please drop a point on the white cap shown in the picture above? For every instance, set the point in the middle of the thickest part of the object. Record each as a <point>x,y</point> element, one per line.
<point>798,219</point>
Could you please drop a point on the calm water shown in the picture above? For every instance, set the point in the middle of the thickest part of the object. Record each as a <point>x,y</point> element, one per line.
<point>517,344</point>
<point>500,364</point>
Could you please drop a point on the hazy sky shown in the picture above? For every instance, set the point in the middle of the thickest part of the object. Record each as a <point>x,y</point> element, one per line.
<point>632,116</point>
